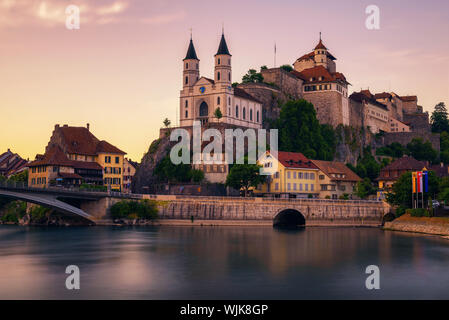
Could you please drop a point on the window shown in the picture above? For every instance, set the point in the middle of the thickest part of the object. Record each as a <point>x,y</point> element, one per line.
<point>187,66</point>
<point>244,113</point>
<point>288,186</point>
<point>294,186</point>
<point>187,114</point>
<point>218,100</point>
<point>187,103</point>
<point>276,186</point>
<point>299,175</point>
<point>311,187</point>
<point>257,116</point>
<point>276,175</point>
<point>306,175</point>
<point>229,76</point>
<point>307,187</point>
<point>117,159</point>
<point>187,80</point>
<point>237,111</point>
<point>219,61</point>
<point>251,114</point>
<point>107,159</point>
<point>294,174</point>
<point>218,76</point>
<point>288,174</point>
<point>312,176</point>
<point>300,187</point>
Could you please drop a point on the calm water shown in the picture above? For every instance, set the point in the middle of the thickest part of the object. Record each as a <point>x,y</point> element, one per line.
<point>220,263</point>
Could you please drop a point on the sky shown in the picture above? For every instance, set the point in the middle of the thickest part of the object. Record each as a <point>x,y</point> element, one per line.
<point>121,71</point>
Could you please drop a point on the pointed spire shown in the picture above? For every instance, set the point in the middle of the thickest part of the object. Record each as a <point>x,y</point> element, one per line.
<point>223,47</point>
<point>191,53</point>
<point>320,44</point>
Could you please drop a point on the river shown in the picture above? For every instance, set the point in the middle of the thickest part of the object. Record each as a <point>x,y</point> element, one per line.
<point>220,263</point>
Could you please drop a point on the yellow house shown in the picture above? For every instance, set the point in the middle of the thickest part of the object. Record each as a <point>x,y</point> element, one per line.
<point>74,156</point>
<point>292,175</point>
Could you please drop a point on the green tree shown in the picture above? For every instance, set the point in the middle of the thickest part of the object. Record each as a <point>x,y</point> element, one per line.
<point>439,118</point>
<point>367,166</point>
<point>365,188</point>
<point>252,76</point>
<point>244,176</point>
<point>218,114</point>
<point>167,171</point>
<point>166,122</point>
<point>421,150</point>
<point>197,175</point>
<point>395,150</point>
<point>401,193</point>
<point>263,68</point>
<point>300,131</point>
<point>20,177</point>
<point>286,67</point>
<point>444,147</point>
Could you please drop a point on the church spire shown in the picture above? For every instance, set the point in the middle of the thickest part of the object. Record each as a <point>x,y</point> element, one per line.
<point>320,44</point>
<point>223,47</point>
<point>191,53</point>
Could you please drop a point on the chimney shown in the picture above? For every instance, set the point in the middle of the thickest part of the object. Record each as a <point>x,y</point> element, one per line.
<point>56,126</point>
<point>9,150</point>
<point>66,126</point>
<point>88,127</point>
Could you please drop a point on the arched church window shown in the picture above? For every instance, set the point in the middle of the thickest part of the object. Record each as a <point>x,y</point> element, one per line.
<point>229,100</point>
<point>218,76</point>
<point>187,114</point>
<point>218,100</point>
<point>236,111</point>
<point>218,60</point>
<point>251,114</point>
<point>244,113</point>
<point>204,109</point>
<point>229,76</point>
<point>187,66</point>
<point>257,116</point>
<point>187,103</point>
<point>187,80</point>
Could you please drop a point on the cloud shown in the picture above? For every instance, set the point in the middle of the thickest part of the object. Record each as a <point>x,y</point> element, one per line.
<point>163,18</point>
<point>115,8</point>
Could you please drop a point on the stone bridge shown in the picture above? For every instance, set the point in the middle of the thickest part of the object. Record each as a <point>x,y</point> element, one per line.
<point>311,212</point>
<point>95,207</point>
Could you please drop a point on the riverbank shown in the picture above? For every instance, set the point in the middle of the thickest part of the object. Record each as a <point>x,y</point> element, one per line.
<point>407,223</point>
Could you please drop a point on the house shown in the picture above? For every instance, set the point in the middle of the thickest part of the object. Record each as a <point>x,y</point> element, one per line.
<point>74,156</point>
<point>295,176</point>
<point>129,170</point>
<point>391,173</point>
<point>11,163</point>
<point>335,179</point>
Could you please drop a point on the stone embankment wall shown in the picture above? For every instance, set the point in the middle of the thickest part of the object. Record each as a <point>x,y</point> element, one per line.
<point>315,212</point>
<point>437,225</point>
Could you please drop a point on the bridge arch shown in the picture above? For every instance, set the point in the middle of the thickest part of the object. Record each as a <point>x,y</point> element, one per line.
<point>289,218</point>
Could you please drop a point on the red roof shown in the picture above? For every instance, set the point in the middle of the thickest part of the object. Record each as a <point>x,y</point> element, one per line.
<point>56,157</point>
<point>295,160</point>
<point>409,98</point>
<point>337,171</point>
<point>79,140</point>
<point>66,175</point>
<point>320,45</point>
<point>383,95</point>
<point>312,75</point>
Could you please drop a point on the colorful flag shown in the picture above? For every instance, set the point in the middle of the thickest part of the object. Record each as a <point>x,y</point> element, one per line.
<point>414,182</point>
<point>419,174</point>
<point>426,181</point>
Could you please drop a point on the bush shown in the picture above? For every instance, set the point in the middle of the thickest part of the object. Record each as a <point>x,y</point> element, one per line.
<point>13,211</point>
<point>39,213</point>
<point>400,211</point>
<point>127,209</point>
<point>419,212</point>
<point>344,196</point>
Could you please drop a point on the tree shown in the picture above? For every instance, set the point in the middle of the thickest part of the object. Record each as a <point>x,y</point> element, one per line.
<point>263,68</point>
<point>197,175</point>
<point>421,150</point>
<point>244,176</point>
<point>444,147</point>
<point>367,166</point>
<point>439,118</point>
<point>20,177</point>
<point>167,171</point>
<point>286,67</point>
<point>166,122</point>
<point>252,76</point>
<point>395,150</point>
<point>300,131</point>
<point>401,193</point>
<point>218,114</point>
<point>365,188</point>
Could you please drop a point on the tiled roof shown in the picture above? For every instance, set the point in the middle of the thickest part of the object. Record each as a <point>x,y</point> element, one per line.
<point>56,157</point>
<point>11,163</point>
<point>405,163</point>
<point>409,98</point>
<point>67,175</point>
<point>79,140</point>
<point>366,96</point>
<point>311,55</point>
<point>320,45</point>
<point>336,170</point>
<point>245,95</point>
<point>312,75</point>
<point>105,147</point>
<point>295,160</point>
<point>383,95</point>
<point>440,170</point>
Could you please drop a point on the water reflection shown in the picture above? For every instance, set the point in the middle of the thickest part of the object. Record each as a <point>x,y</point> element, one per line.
<point>220,263</point>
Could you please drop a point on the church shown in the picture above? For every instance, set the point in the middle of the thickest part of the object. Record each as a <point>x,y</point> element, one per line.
<point>200,96</point>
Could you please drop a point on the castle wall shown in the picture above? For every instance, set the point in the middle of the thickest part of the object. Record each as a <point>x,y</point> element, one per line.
<point>418,122</point>
<point>406,137</point>
<point>410,106</point>
<point>328,106</point>
<point>290,84</point>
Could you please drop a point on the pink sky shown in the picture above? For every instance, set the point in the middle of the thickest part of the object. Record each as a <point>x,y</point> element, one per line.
<point>121,72</point>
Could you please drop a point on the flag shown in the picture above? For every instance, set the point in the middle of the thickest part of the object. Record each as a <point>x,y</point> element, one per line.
<point>426,181</point>
<point>414,182</point>
<point>419,174</point>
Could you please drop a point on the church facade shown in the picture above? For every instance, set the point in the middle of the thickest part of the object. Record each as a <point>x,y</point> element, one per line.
<point>201,97</point>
